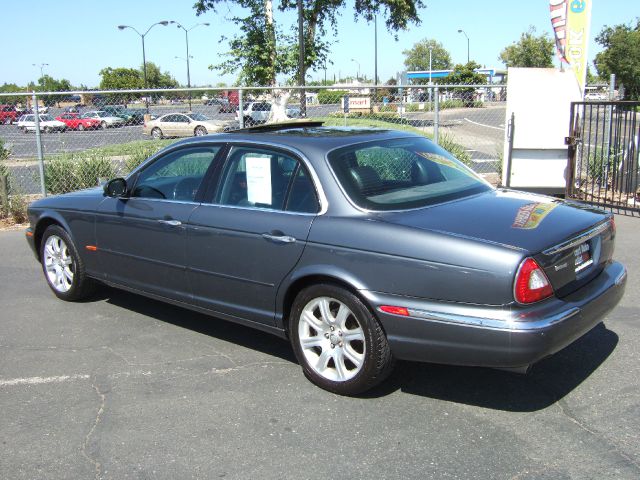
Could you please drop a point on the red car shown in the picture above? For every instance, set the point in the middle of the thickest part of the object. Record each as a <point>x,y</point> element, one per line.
<point>75,122</point>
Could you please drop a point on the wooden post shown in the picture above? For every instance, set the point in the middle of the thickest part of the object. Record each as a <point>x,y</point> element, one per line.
<point>4,194</point>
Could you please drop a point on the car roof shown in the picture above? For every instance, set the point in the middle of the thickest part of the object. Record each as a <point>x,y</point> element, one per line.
<point>306,137</point>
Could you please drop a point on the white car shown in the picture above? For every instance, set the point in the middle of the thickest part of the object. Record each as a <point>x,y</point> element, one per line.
<point>27,123</point>
<point>259,112</point>
<point>106,119</point>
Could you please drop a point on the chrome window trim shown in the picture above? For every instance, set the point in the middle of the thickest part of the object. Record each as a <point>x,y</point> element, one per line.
<point>575,241</point>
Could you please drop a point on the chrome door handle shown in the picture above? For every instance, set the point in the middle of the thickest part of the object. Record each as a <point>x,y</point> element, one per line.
<point>173,223</point>
<point>278,238</point>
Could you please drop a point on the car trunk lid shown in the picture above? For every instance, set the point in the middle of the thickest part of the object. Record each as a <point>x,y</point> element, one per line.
<point>571,242</point>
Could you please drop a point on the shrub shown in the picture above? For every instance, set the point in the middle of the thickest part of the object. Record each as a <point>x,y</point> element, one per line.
<point>455,149</point>
<point>139,154</point>
<point>18,208</point>
<point>88,171</point>
<point>331,96</point>
<point>58,174</point>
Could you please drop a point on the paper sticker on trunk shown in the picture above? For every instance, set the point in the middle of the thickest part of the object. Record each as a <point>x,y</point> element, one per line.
<point>531,215</point>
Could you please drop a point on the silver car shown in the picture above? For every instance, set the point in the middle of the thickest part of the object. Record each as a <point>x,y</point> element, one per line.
<point>106,120</point>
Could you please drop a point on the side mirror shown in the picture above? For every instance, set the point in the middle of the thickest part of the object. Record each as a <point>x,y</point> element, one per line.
<point>116,188</point>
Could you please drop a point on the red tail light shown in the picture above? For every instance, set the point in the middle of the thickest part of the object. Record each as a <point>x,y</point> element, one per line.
<point>531,285</point>
<point>612,221</point>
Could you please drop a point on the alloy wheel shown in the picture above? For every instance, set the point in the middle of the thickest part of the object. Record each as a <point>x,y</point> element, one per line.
<point>58,264</point>
<point>332,339</point>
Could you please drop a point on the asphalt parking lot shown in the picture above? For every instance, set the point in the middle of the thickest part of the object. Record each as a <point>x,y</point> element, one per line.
<point>124,387</point>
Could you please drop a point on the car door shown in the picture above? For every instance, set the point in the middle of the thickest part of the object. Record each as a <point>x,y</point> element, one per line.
<point>142,238</point>
<point>242,245</point>
<point>168,125</point>
<point>182,126</point>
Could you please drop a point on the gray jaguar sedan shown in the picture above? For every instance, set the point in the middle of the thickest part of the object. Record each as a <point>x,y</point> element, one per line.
<point>361,246</point>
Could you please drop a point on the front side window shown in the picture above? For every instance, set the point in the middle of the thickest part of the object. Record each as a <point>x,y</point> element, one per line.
<point>175,176</point>
<point>262,178</point>
<point>401,174</point>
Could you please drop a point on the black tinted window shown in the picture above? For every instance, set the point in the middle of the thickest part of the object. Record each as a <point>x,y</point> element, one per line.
<point>175,176</point>
<point>401,174</point>
<point>255,177</point>
<point>302,195</point>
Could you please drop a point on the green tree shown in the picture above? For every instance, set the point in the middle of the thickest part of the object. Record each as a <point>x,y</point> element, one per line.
<point>417,57</point>
<point>466,75</point>
<point>120,79</point>
<point>158,79</point>
<point>47,83</point>
<point>621,56</point>
<point>530,51</point>
<point>12,88</point>
<point>262,51</point>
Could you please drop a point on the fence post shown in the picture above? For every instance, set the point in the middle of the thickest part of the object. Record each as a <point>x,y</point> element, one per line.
<point>36,112</point>
<point>436,116</point>
<point>240,109</point>
<point>4,194</point>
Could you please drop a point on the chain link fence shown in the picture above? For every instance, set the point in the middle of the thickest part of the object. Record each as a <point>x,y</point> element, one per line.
<point>81,138</point>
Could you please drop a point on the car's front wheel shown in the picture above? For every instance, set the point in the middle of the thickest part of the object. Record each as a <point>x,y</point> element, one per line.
<point>339,343</point>
<point>62,266</point>
<point>80,127</point>
<point>103,125</point>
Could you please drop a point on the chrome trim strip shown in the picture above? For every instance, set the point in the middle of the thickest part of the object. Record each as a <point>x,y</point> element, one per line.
<point>589,234</point>
<point>492,323</point>
<point>621,278</point>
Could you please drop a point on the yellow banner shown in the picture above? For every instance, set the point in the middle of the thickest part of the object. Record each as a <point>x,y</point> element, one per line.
<point>571,22</point>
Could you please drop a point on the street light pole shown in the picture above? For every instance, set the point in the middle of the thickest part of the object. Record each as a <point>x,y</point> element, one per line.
<point>465,34</point>
<point>430,70</point>
<point>144,57</point>
<point>42,65</point>
<point>186,39</point>
<point>358,75</point>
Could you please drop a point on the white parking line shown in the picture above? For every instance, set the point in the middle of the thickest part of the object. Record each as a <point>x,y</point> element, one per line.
<point>485,160</point>
<point>483,125</point>
<point>41,380</point>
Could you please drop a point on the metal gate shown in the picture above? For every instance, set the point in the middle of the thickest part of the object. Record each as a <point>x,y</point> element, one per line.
<point>604,154</point>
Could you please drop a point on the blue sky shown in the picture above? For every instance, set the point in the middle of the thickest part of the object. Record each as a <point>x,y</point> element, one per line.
<point>79,38</point>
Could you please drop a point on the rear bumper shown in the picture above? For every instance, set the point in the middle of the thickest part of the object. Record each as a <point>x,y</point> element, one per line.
<point>506,337</point>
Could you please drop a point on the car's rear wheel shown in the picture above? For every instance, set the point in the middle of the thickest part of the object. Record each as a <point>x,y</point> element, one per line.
<point>47,130</point>
<point>80,127</point>
<point>7,121</point>
<point>62,266</point>
<point>339,343</point>
<point>156,133</point>
<point>200,131</point>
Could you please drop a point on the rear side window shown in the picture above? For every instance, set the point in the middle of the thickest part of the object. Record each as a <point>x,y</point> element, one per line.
<point>402,174</point>
<point>263,178</point>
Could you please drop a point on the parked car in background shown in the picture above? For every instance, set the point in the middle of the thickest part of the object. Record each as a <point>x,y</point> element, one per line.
<point>27,123</point>
<point>9,114</point>
<point>106,120</point>
<point>75,122</point>
<point>182,125</point>
<point>256,113</point>
<point>360,246</point>
<point>129,115</point>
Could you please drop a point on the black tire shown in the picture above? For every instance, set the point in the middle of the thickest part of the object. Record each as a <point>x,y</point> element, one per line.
<point>200,131</point>
<point>157,133</point>
<point>103,125</point>
<point>81,286</point>
<point>376,360</point>
<point>47,130</point>
<point>80,127</point>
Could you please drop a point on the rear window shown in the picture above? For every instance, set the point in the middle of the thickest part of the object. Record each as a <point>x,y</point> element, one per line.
<point>402,174</point>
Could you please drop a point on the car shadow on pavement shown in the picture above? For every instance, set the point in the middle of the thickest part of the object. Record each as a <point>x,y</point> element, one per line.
<point>547,382</point>
<point>207,325</point>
